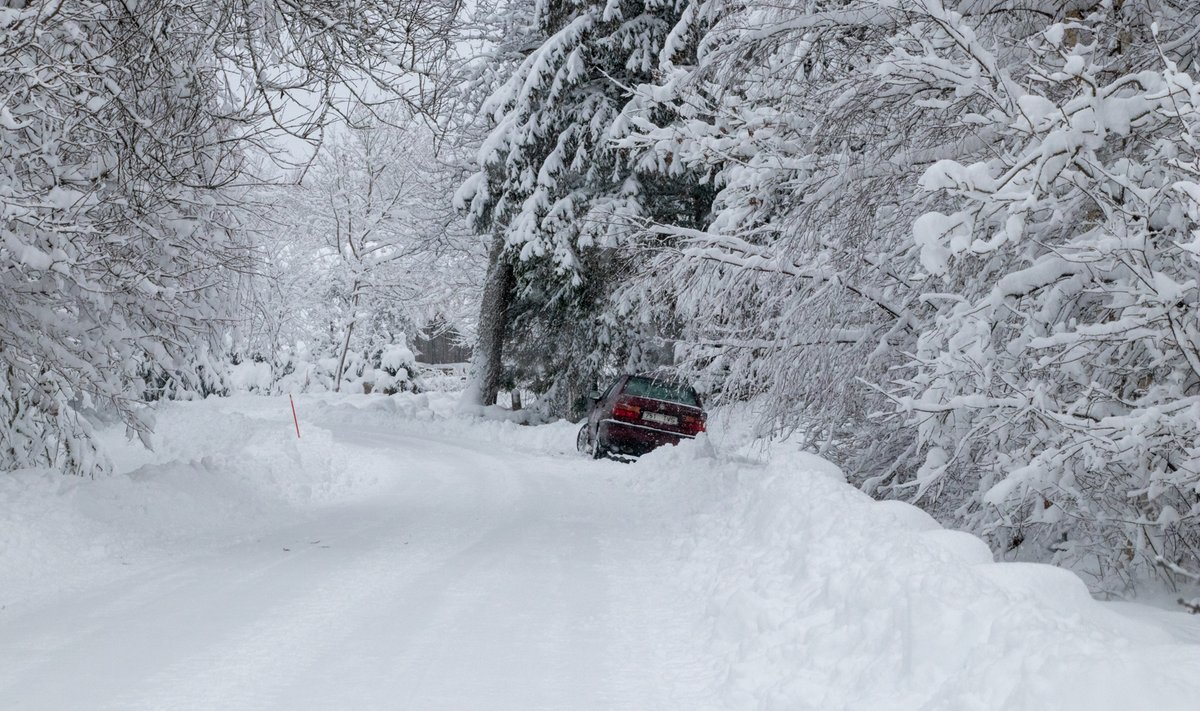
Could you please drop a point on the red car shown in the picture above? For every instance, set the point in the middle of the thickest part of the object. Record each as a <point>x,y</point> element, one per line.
<point>638,413</point>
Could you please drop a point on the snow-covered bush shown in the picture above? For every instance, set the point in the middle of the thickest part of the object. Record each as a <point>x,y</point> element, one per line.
<point>387,369</point>
<point>395,369</point>
<point>253,375</point>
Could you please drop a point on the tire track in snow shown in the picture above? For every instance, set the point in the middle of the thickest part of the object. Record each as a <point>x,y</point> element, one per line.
<point>488,579</point>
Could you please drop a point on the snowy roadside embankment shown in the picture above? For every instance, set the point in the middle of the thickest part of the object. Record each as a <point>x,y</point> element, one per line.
<point>222,470</point>
<point>822,598</point>
<point>801,592</point>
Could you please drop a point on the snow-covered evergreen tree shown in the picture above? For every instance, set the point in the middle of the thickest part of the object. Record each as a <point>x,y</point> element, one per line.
<point>794,292</point>
<point>562,202</point>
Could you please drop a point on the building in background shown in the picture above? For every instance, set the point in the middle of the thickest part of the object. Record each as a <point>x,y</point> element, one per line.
<point>439,343</point>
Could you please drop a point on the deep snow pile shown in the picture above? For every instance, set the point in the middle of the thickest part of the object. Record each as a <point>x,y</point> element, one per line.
<point>822,598</point>
<point>806,593</point>
<point>221,470</point>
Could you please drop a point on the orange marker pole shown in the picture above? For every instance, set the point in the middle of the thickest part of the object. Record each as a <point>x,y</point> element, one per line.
<point>294,419</point>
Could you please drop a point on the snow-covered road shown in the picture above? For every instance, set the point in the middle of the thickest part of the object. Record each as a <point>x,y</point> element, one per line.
<point>401,557</point>
<point>472,579</point>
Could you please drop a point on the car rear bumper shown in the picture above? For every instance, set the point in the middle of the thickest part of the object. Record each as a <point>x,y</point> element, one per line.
<point>629,438</point>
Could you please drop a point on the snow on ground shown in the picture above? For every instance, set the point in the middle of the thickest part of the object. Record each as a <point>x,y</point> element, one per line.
<point>399,556</point>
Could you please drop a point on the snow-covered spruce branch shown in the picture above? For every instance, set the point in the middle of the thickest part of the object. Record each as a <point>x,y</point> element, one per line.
<point>730,250</point>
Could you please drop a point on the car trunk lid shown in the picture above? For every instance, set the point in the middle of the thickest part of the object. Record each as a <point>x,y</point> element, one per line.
<point>660,414</point>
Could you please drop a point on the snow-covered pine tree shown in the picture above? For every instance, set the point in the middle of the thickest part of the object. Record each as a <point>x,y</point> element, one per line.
<point>794,292</point>
<point>561,202</point>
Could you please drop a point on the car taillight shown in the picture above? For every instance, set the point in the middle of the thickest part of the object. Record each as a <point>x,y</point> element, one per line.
<point>695,425</point>
<point>622,411</point>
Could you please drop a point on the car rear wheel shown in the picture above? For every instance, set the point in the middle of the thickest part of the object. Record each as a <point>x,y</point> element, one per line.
<point>581,440</point>
<point>599,451</point>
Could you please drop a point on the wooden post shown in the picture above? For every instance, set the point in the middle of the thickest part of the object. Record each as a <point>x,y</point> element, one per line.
<point>294,418</point>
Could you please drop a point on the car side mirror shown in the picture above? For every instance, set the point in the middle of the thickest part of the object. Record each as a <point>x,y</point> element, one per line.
<point>594,395</point>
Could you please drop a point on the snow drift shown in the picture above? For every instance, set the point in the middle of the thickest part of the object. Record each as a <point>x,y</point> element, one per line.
<point>821,598</point>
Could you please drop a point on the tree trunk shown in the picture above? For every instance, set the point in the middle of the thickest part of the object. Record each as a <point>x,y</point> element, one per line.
<point>493,317</point>
<point>337,380</point>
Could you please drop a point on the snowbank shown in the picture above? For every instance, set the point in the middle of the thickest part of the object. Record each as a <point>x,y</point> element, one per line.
<point>822,598</point>
<point>222,470</point>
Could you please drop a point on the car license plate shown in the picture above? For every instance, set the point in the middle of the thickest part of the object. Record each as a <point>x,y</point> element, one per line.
<point>660,419</point>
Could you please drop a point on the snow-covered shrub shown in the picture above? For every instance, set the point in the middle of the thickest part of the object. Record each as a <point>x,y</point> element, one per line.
<point>388,369</point>
<point>395,370</point>
<point>253,375</point>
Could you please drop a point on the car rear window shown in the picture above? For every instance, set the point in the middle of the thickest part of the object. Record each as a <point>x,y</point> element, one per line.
<point>662,390</point>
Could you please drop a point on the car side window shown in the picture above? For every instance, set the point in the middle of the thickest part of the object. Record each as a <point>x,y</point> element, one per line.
<point>609,390</point>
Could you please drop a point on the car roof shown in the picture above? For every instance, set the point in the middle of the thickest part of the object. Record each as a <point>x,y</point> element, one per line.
<point>660,379</point>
